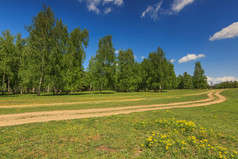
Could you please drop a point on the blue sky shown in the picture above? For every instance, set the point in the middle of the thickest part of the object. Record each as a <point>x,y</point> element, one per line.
<point>187,30</point>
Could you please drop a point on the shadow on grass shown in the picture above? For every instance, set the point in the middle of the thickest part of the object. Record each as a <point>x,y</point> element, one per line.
<point>10,95</point>
<point>104,93</point>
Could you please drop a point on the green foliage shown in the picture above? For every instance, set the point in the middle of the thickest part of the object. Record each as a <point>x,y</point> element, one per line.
<point>127,71</point>
<point>41,40</point>
<point>74,58</point>
<point>199,78</point>
<point>51,59</point>
<point>157,72</point>
<point>103,66</point>
<point>7,58</point>
<point>185,81</point>
<point>227,84</point>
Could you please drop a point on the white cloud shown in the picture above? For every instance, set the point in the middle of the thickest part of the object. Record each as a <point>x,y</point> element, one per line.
<point>116,2</point>
<point>142,57</point>
<point>98,5</point>
<point>178,5</point>
<point>152,11</point>
<point>107,10</point>
<point>93,6</point>
<point>229,32</point>
<point>135,57</point>
<point>190,57</point>
<point>117,51</point>
<point>172,60</point>
<point>221,79</point>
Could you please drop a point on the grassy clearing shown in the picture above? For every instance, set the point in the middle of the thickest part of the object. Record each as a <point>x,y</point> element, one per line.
<point>48,98</point>
<point>147,101</point>
<point>121,136</point>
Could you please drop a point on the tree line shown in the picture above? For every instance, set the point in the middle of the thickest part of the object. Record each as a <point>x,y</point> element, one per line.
<point>51,59</point>
<point>227,84</point>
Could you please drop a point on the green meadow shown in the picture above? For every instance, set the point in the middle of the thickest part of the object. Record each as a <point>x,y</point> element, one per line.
<point>198,132</point>
<point>88,100</point>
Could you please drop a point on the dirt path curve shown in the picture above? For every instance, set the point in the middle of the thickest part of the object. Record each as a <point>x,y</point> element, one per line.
<point>91,102</point>
<point>24,118</point>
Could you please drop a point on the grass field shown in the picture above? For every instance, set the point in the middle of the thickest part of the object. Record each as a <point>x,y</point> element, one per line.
<point>34,103</point>
<point>198,132</point>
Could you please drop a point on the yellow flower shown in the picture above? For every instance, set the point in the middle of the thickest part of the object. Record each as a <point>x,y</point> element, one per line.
<point>149,139</point>
<point>235,152</point>
<point>167,147</point>
<point>142,145</point>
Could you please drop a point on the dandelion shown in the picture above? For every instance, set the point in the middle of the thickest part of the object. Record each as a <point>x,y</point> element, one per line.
<point>149,139</point>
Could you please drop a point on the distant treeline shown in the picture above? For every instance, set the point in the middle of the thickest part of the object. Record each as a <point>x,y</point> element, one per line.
<point>227,84</point>
<point>51,59</point>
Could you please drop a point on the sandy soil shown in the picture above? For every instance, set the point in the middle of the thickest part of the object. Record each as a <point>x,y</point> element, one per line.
<point>33,117</point>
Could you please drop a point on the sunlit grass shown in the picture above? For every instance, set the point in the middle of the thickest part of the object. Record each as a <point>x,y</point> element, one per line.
<point>121,136</point>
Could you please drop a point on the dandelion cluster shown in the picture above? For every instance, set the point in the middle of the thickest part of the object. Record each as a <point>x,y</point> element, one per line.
<point>175,137</point>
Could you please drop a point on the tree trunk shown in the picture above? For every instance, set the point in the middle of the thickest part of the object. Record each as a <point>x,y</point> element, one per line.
<point>33,90</point>
<point>160,88</point>
<point>3,79</point>
<point>90,87</point>
<point>54,88</point>
<point>8,85</point>
<point>48,89</point>
<point>21,90</point>
<point>100,90</point>
<point>38,93</point>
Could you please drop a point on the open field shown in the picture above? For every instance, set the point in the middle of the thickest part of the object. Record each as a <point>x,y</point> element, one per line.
<point>85,100</point>
<point>195,132</point>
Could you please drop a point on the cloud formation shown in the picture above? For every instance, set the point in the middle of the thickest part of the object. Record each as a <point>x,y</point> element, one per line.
<point>178,5</point>
<point>116,2</point>
<point>190,57</point>
<point>152,11</point>
<point>229,32</point>
<point>107,10</point>
<point>142,57</point>
<point>221,79</point>
<point>98,5</point>
<point>172,60</point>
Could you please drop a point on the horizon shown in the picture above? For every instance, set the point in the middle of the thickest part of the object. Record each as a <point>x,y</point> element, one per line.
<point>188,30</point>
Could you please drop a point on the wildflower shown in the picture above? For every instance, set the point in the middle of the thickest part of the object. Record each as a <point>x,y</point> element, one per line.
<point>142,145</point>
<point>235,152</point>
<point>149,139</point>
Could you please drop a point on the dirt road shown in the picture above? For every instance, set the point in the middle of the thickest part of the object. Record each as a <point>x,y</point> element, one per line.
<point>88,102</point>
<point>33,117</point>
